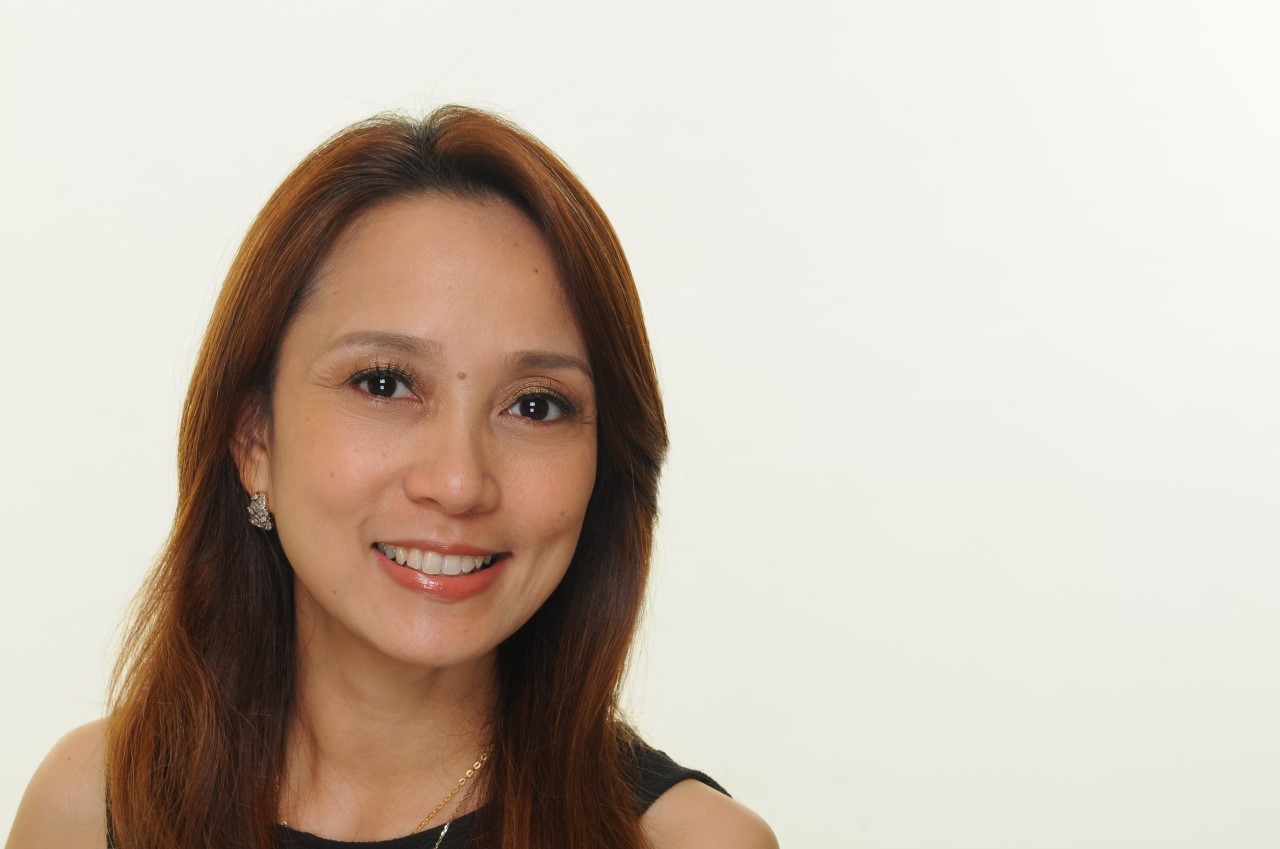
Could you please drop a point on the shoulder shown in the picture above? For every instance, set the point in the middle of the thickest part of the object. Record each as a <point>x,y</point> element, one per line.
<point>692,815</point>
<point>65,803</point>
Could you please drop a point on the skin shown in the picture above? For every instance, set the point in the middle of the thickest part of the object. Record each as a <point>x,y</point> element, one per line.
<point>478,444</point>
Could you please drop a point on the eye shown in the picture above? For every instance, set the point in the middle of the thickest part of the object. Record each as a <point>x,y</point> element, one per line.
<point>383,383</point>
<point>540,407</point>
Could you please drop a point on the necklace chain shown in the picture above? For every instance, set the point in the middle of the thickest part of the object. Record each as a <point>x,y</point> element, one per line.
<point>461,804</point>
<point>475,767</point>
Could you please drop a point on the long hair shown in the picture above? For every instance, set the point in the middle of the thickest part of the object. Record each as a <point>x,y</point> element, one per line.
<point>204,686</point>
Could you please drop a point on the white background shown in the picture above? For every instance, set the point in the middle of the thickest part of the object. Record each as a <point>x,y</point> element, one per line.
<point>966,314</point>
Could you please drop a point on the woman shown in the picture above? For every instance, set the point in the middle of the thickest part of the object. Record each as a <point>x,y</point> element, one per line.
<point>427,378</point>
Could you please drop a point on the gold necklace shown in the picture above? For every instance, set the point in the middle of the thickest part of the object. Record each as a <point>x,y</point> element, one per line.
<point>462,804</point>
<point>475,767</point>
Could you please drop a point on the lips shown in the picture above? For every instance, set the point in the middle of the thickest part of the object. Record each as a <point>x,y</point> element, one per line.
<point>431,562</point>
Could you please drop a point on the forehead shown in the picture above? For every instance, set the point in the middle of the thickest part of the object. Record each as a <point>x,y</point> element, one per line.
<point>436,234</point>
<point>440,267</point>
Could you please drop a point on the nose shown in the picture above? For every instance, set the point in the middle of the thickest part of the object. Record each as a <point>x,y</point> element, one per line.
<point>454,468</point>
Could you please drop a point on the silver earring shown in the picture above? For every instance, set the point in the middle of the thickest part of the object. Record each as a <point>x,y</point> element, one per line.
<point>258,515</point>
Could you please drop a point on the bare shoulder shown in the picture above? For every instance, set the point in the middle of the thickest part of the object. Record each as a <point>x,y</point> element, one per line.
<point>692,815</point>
<point>65,803</point>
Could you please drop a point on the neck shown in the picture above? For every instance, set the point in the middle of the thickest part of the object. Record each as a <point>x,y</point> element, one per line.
<point>374,743</point>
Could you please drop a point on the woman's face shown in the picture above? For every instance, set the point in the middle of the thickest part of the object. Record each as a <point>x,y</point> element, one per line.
<point>433,405</point>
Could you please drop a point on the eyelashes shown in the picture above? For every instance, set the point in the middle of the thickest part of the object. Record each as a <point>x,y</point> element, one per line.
<point>537,400</point>
<point>384,379</point>
<point>541,403</point>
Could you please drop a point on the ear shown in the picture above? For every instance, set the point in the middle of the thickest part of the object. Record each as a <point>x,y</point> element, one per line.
<point>250,446</point>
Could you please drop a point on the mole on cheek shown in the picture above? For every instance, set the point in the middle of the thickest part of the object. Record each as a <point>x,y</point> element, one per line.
<point>462,375</point>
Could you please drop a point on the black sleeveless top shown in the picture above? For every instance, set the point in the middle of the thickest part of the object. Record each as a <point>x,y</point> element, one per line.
<point>655,773</point>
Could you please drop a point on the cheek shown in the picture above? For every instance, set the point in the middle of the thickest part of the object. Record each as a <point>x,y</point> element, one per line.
<point>554,495</point>
<point>330,459</point>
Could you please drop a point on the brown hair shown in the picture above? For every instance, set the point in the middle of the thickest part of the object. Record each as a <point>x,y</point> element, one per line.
<point>204,686</point>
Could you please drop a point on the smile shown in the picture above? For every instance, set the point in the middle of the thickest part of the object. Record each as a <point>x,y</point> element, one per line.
<point>433,562</point>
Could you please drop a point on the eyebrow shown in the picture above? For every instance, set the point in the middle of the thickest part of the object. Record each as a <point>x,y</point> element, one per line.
<point>402,342</point>
<point>430,349</point>
<point>547,360</point>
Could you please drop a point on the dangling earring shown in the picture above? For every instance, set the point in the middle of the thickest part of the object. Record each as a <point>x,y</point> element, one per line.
<point>258,515</point>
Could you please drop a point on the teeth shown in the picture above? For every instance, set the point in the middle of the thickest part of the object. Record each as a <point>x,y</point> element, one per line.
<point>433,562</point>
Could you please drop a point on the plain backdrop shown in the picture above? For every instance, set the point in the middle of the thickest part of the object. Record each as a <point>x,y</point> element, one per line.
<point>966,315</point>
